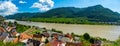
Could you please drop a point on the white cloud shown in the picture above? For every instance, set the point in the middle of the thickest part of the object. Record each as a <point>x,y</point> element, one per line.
<point>43,5</point>
<point>22,2</point>
<point>7,8</point>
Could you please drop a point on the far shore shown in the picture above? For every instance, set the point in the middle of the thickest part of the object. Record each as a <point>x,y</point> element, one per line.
<point>75,23</point>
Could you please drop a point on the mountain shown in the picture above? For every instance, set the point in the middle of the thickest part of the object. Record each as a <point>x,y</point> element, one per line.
<point>21,16</point>
<point>94,13</point>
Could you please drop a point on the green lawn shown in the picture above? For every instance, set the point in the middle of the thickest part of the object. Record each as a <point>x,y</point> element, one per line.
<point>11,44</point>
<point>21,28</point>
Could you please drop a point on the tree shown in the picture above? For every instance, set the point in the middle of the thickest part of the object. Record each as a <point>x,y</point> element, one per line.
<point>86,36</point>
<point>118,40</point>
<point>91,40</point>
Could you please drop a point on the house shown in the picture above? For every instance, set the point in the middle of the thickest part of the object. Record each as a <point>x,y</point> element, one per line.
<point>40,37</point>
<point>22,38</point>
<point>37,40</point>
<point>2,29</point>
<point>70,37</point>
<point>56,42</point>
<point>45,33</point>
<point>43,39</point>
<point>6,36</point>
<point>32,42</point>
<point>3,35</point>
<point>98,42</point>
<point>5,25</point>
<point>73,44</point>
<point>65,39</point>
<point>8,39</point>
<point>12,31</point>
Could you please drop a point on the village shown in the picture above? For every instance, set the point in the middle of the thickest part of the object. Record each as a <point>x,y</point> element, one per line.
<point>36,36</point>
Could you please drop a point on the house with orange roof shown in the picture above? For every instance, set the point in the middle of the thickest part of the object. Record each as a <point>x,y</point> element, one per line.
<point>69,37</point>
<point>22,38</point>
<point>2,29</point>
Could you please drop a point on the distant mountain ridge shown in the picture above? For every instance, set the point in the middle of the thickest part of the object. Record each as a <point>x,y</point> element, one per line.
<point>96,13</point>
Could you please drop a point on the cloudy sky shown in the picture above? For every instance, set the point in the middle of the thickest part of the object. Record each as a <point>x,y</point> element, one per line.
<point>8,7</point>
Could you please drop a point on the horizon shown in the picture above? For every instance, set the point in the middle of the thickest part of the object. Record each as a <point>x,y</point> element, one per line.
<point>21,6</point>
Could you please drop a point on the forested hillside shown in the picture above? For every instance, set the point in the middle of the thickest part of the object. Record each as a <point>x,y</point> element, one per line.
<point>95,13</point>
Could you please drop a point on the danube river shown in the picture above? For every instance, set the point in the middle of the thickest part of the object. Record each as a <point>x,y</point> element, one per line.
<point>110,32</point>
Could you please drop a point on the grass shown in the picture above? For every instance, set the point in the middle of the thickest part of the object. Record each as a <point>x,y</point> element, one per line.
<point>11,44</point>
<point>36,31</point>
<point>21,28</point>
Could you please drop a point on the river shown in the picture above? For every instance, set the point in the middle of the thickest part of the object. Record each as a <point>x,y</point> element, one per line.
<point>110,32</point>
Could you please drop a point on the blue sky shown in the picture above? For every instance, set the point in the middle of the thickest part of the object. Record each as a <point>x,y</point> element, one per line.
<point>18,6</point>
<point>111,4</point>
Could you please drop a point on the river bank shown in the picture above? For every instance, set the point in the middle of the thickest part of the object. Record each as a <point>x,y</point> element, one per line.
<point>72,21</point>
<point>104,31</point>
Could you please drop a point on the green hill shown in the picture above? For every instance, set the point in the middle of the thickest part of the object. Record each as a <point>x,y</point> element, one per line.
<point>95,13</point>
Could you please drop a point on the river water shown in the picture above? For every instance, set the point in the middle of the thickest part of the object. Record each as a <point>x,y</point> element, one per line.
<point>110,32</point>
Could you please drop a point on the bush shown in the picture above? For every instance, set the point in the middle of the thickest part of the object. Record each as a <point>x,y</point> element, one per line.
<point>57,31</point>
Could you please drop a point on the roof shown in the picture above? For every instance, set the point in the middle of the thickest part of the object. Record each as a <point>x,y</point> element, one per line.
<point>69,36</point>
<point>2,29</point>
<point>46,34</point>
<point>3,35</point>
<point>11,29</point>
<point>37,35</point>
<point>22,37</point>
<point>25,36</point>
<point>56,42</point>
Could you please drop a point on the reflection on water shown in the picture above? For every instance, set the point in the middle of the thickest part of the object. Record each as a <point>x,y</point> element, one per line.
<point>104,31</point>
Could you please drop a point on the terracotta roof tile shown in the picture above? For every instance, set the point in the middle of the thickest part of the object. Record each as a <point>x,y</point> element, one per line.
<point>25,36</point>
<point>2,29</point>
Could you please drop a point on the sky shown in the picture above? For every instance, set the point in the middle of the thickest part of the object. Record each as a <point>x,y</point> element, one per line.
<point>9,7</point>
